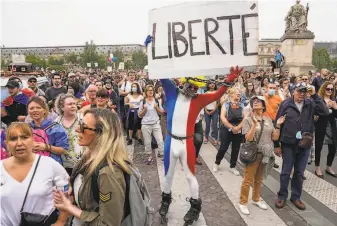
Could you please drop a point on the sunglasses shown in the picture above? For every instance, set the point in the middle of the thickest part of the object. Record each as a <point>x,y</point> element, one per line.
<point>32,81</point>
<point>83,127</point>
<point>103,97</point>
<point>329,89</point>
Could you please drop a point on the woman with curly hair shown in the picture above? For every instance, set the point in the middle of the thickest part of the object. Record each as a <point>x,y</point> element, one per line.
<point>65,105</point>
<point>326,128</point>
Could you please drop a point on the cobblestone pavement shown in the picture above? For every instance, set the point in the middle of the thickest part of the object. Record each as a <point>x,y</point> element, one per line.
<point>219,195</point>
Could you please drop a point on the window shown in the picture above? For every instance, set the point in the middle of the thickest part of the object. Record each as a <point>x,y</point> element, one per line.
<point>269,50</point>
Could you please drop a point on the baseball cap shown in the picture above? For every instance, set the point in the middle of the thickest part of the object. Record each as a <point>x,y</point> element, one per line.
<point>107,81</point>
<point>301,87</point>
<point>71,74</point>
<point>32,78</point>
<point>12,84</point>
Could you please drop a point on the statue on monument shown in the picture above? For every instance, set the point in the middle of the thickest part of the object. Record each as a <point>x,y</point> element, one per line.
<point>297,18</point>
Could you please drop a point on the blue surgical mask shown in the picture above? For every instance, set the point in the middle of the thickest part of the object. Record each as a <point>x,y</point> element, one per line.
<point>271,92</point>
<point>134,90</point>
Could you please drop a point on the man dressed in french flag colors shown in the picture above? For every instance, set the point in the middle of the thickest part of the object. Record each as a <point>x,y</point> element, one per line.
<point>183,107</point>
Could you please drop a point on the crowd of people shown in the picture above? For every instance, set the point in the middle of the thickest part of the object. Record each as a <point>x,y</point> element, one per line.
<point>85,119</point>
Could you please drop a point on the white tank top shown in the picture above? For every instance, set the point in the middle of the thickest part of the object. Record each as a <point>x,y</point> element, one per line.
<point>135,101</point>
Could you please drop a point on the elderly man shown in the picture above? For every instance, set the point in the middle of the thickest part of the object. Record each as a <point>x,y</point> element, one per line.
<point>296,140</point>
<point>320,79</point>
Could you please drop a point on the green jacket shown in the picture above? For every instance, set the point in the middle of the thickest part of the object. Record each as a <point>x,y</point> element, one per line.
<point>110,209</point>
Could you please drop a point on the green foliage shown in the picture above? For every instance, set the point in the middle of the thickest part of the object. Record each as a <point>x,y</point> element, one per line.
<point>36,61</point>
<point>89,54</point>
<point>55,61</point>
<point>4,64</point>
<point>120,57</point>
<point>56,67</point>
<point>139,60</point>
<point>321,59</point>
<point>72,58</point>
<point>128,65</point>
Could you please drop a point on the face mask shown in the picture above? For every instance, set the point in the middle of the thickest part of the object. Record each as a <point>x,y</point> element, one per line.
<point>134,90</point>
<point>271,92</point>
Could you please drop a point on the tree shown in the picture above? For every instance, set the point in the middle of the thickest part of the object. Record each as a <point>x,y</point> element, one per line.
<point>334,65</point>
<point>72,58</point>
<point>120,57</point>
<point>4,64</point>
<point>36,61</point>
<point>102,61</point>
<point>128,65</point>
<point>139,59</point>
<point>321,59</point>
<point>55,61</point>
<point>89,54</point>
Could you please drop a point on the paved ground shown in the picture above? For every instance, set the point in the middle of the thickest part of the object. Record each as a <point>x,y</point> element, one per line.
<point>220,194</point>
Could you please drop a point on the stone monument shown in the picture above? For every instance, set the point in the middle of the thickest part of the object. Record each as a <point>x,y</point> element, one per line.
<point>297,41</point>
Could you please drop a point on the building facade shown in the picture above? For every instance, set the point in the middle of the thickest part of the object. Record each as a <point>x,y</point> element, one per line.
<point>331,47</point>
<point>45,52</point>
<point>267,49</point>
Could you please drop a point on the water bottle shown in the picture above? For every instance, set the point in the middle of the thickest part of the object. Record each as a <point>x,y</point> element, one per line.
<point>61,184</point>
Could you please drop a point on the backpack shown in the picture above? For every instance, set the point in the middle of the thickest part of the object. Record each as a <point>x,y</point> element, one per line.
<point>157,102</point>
<point>40,135</point>
<point>140,212</point>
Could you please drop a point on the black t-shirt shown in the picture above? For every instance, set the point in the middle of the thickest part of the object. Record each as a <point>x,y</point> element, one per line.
<point>52,92</point>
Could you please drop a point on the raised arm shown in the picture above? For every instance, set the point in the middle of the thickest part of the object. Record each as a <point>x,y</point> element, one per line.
<point>169,87</point>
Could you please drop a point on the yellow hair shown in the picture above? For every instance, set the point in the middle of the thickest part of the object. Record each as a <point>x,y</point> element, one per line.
<point>195,83</point>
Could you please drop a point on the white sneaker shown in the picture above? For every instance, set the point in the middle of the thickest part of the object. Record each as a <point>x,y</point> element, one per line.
<point>234,171</point>
<point>244,209</point>
<point>260,204</point>
<point>215,168</point>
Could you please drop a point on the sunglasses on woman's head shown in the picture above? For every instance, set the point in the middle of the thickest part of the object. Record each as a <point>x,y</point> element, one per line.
<point>83,127</point>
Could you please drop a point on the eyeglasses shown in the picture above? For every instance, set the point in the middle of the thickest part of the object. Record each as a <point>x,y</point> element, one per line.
<point>329,89</point>
<point>83,127</point>
<point>92,91</point>
<point>103,97</point>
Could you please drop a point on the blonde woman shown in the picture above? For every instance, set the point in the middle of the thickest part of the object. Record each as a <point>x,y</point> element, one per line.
<point>100,201</point>
<point>231,116</point>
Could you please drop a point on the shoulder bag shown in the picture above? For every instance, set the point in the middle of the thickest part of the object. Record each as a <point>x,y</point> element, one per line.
<point>34,219</point>
<point>248,150</point>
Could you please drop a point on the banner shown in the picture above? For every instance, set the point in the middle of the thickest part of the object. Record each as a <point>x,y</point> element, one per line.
<point>202,38</point>
<point>121,66</point>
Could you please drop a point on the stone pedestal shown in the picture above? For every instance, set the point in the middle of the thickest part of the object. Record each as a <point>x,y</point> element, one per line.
<point>297,50</point>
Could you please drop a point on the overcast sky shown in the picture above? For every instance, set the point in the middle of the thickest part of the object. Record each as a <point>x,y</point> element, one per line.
<point>27,23</point>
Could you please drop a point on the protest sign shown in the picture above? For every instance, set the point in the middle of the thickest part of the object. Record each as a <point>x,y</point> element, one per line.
<point>121,66</point>
<point>96,64</point>
<point>109,68</point>
<point>88,64</point>
<point>202,38</point>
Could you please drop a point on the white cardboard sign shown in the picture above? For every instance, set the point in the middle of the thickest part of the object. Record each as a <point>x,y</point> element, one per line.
<point>202,38</point>
<point>121,66</point>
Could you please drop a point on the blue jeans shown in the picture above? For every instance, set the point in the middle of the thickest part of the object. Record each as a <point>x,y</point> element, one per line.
<point>214,119</point>
<point>297,158</point>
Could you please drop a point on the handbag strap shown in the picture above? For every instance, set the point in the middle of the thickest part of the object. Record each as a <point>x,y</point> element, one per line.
<point>30,183</point>
<point>262,126</point>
